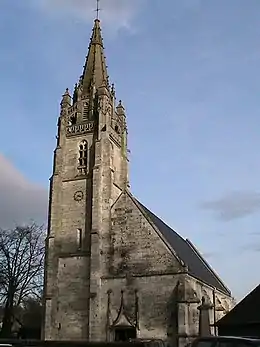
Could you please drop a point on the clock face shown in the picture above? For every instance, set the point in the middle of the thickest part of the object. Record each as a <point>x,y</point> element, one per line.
<point>78,196</point>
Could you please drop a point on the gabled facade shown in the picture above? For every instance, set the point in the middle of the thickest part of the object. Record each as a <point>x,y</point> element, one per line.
<point>113,269</point>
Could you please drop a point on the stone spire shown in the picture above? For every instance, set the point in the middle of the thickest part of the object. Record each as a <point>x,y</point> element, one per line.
<point>95,70</point>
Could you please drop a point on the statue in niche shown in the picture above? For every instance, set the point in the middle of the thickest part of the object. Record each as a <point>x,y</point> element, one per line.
<point>72,119</point>
<point>117,129</point>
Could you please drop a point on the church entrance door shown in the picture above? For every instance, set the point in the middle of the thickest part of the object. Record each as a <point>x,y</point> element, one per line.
<point>125,333</point>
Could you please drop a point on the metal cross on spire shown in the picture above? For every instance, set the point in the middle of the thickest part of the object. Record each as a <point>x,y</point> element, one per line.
<point>98,9</point>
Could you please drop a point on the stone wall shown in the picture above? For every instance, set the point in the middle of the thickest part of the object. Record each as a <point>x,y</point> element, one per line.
<point>132,246</point>
<point>155,310</point>
<point>136,262</point>
<point>161,313</point>
<point>138,265</point>
<point>67,261</point>
<point>73,293</point>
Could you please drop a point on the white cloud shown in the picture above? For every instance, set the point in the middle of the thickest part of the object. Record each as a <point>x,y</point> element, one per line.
<point>234,205</point>
<point>116,13</point>
<point>20,200</point>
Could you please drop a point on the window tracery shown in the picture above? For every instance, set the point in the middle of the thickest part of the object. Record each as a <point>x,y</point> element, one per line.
<point>83,156</point>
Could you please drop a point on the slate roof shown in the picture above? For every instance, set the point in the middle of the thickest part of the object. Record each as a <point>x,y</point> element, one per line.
<point>245,312</point>
<point>185,250</point>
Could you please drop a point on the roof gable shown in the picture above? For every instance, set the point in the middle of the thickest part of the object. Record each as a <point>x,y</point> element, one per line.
<point>245,312</point>
<point>145,250</point>
<point>197,265</point>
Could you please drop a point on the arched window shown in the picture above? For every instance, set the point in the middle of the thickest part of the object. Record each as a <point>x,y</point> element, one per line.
<point>111,156</point>
<point>83,156</point>
<point>85,110</point>
<point>79,239</point>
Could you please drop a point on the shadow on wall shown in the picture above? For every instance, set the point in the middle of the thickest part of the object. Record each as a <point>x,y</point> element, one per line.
<point>172,317</point>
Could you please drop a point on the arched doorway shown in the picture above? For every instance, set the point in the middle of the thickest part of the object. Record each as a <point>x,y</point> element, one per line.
<point>124,333</point>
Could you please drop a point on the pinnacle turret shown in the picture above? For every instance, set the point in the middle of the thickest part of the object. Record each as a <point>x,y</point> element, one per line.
<point>120,108</point>
<point>66,99</point>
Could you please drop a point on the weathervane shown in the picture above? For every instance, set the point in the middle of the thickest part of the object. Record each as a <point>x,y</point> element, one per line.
<point>98,9</point>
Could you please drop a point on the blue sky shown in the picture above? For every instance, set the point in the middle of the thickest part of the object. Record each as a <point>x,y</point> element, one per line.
<point>188,74</point>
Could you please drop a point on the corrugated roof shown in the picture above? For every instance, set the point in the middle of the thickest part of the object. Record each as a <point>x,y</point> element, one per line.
<point>197,266</point>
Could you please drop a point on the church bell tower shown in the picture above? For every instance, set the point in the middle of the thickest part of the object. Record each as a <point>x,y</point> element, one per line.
<point>90,170</point>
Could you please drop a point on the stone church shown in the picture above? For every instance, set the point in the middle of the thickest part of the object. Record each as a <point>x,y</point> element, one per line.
<point>113,269</point>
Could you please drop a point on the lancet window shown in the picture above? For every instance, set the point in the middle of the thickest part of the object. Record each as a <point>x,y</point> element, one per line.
<point>79,238</point>
<point>83,157</point>
<point>85,110</point>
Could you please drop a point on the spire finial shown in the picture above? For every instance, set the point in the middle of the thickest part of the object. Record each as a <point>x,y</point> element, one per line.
<point>98,9</point>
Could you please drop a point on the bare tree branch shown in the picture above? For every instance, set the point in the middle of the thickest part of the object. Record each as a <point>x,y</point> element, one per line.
<point>21,269</point>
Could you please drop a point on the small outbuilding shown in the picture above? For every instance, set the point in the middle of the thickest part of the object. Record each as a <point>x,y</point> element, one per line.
<point>244,318</point>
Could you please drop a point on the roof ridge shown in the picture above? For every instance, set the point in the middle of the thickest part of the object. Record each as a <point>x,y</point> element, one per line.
<point>161,220</point>
<point>206,263</point>
<point>197,266</point>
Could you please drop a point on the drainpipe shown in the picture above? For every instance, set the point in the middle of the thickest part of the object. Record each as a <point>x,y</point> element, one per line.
<point>214,311</point>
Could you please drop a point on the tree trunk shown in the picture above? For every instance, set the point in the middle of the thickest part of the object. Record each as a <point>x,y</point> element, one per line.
<point>6,330</point>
